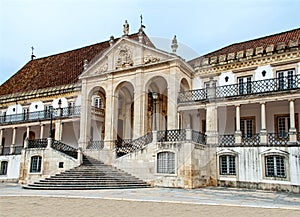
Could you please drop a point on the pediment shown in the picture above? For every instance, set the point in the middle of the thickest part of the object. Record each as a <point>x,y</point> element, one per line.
<point>124,54</point>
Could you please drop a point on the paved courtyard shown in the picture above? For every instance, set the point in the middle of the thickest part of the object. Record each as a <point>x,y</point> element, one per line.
<point>15,201</point>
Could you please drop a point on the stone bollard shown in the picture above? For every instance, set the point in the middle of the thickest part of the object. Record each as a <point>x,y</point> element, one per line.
<point>49,142</point>
<point>79,156</point>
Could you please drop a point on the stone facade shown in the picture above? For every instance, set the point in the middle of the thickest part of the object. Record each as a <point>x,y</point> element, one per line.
<point>229,118</point>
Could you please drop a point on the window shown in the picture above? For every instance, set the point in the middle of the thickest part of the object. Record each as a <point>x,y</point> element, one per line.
<point>48,109</point>
<point>25,114</point>
<point>71,108</point>
<point>36,163</point>
<point>245,85</point>
<point>282,125</point>
<point>4,165</point>
<point>286,79</point>
<point>248,127</point>
<point>166,162</point>
<point>275,166</point>
<point>98,102</point>
<point>227,165</point>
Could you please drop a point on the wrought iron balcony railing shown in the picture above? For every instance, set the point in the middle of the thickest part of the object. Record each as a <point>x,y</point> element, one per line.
<point>278,139</point>
<point>40,115</point>
<point>226,140</point>
<point>250,140</point>
<point>95,145</point>
<point>38,143</point>
<point>242,89</point>
<point>171,135</point>
<point>198,137</point>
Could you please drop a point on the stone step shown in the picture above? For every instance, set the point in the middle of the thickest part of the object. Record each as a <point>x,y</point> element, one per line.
<point>89,183</point>
<point>92,174</point>
<point>33,187</point>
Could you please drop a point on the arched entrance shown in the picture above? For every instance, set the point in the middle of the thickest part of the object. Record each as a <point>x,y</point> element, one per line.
<point>157,99</point>
<point>125,110</point>
<point>98,105</point>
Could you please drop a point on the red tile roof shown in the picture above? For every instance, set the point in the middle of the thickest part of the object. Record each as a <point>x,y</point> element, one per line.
<point>56,70</point>
<point>259,42</point>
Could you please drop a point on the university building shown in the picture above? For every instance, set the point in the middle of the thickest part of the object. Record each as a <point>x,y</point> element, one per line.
<point>142,116</point>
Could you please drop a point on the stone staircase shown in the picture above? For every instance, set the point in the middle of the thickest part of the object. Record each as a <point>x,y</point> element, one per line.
<point>92,174</point>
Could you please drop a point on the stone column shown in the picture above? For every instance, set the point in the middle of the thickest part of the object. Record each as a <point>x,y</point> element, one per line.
<point>263,130</point>
<point>1,145</point>
<point>42,131</point>
<point>110,116</point>
<point>212,142</point>
<point>27,136</point>
<point>85,118</point>
<point>13,142</point>
<point>173,89</point>
<point>212,124</point>
<point>139,107</point>
<point>238,133</point>
<point>292,130</point>
<point>58,130</point>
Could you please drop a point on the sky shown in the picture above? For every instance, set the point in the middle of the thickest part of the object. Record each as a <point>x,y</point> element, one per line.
<point>201,26</point>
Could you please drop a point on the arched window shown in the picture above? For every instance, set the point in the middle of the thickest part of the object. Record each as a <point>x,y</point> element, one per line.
<point>36,163</point>
<point>227,165</point>
<point>166,162</point>
<point>4,165</point>
<point>275,166</point>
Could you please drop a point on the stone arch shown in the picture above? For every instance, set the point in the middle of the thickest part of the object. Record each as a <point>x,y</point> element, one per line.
<point>97,104</point>
<point>184,85</point>
<point>159,85</point>
<point>124,112</point>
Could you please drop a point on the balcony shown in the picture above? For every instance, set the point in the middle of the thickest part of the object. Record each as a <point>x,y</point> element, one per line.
<point>67,112</point>
<point>273,139</point>
<point>266,86</point>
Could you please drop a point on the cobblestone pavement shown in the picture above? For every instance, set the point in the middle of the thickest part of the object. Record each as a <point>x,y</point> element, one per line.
<point>203,196</point>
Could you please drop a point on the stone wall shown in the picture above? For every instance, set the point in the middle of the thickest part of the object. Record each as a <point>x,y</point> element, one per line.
<point>13,168</point>
<point>189,165</point>
<point>50,164</point>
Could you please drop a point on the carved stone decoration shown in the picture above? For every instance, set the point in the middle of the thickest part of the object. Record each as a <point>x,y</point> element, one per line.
<point>126,28</point>
<point>222,58</point>
<point>280,47</point>
<point>231,56</point>
<point>240,54</point>
<point>270,49</point>
<point>249,52</point>
<point>102,68</point>
<point>151,59</point>
<point>259,51</point>
<point>293,43</point>
<point>205,61</point>
<point>213,60</point>
<point>125,58</point>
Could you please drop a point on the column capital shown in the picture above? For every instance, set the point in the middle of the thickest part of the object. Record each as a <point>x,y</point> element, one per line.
<point>291,100</point>
<point>262,102</point>
<point>238,105</point>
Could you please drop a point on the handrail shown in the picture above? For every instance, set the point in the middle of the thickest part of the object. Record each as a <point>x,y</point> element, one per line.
<point>64,148</point>
<point>127,146</point>
<point>247,88</point>
<point>41,115</point>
